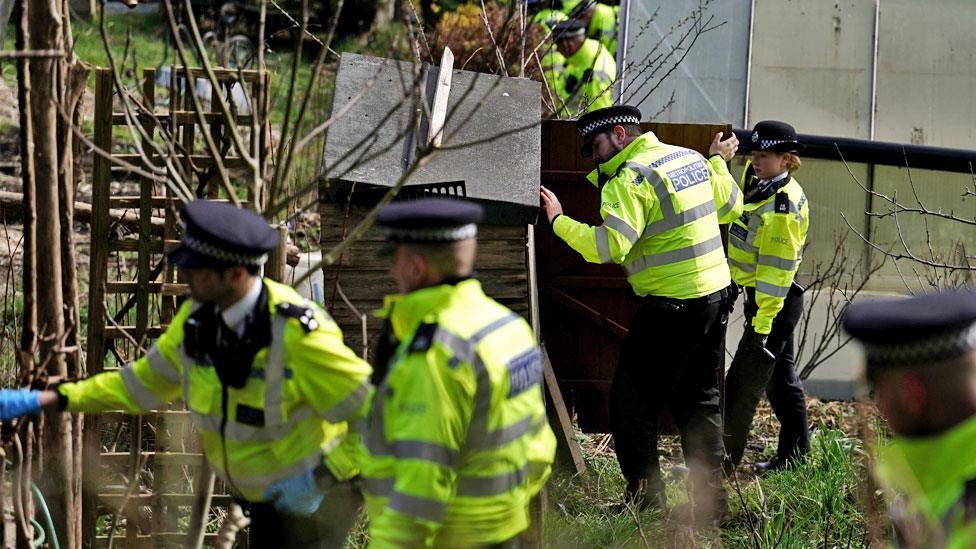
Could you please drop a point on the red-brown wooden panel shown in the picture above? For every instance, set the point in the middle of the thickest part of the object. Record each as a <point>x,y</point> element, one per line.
<point>586,308</point>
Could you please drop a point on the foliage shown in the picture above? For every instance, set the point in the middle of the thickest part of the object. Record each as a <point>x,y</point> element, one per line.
<point>501,51</point>
<point>814,504</point>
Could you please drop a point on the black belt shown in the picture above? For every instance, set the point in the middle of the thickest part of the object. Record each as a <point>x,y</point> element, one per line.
<point>714,297</point>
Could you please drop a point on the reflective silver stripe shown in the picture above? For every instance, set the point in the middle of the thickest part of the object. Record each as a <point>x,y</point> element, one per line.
<point>138,391</point>
<point>381,487</point>
<point>349,405</point>
<point>733,198</point>
<point>747,267</point>
<point>602,244</point>
<point>427,451</point>
<point>661,225</point>
<point>494,325</point>
<point>492,486</point>
<point>424,508</point>
<point>659,186</point>
<point>263,481</point>
<point>376,432</point>
<point>621,227</point>
<point>771,206</point>
<point>770,289</point>
<point>241,432</point>
<point>674,256</point>
<point>161,366</point>
<point>744,246</point>
<point>505,435</point>
<point>778,262</point>
<point>274,372</point>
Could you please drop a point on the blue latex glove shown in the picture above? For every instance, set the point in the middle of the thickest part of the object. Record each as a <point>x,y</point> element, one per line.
<point>15,403</point>
<point>298,495</point>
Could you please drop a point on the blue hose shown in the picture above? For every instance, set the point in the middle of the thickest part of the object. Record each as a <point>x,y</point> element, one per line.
<point>47,519</point>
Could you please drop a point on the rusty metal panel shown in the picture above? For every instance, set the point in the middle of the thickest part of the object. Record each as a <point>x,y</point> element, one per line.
<point>586,308</point>
<point>926,72</point>
<point>811,65</point>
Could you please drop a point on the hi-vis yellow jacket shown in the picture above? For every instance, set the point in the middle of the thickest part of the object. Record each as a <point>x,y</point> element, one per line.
<point>765,248</point>
<point>931,483</point>
<point>553,63</point>
<point>661,207</point>
<point>291,412</point>
<point>457,441</point>
<point>588,80</point>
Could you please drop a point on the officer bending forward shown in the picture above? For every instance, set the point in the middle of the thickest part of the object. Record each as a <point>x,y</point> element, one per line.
<point>265,376</point>
<point>458,441</point>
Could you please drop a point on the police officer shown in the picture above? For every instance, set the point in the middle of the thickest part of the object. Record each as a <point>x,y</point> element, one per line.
<point>590,69</point>
<point>265,375</point>
<point>457,442</point>
<point>601,23</point>
<point>661,207</point>
<point>765,245</point>
<point>546,15</point>
<point>921,364</point>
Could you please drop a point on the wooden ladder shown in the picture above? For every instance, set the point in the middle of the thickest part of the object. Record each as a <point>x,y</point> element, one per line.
<point>147,468</point>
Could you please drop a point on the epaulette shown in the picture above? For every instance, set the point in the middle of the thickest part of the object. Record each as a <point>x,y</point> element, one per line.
<point>423,338</point>
<point>303,314</point>
<point>782,203</point>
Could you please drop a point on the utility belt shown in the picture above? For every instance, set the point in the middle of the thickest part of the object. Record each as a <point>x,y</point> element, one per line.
<point>677,305</point>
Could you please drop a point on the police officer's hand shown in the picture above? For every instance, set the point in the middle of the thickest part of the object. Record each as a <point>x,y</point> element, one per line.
<point>15,403</point>
<point>757,343</point>
<point>725,148</point>
<point>550,204</point>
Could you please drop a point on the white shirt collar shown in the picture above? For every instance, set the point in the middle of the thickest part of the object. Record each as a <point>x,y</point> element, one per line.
<point>235,314</point>
<point>778,178</point>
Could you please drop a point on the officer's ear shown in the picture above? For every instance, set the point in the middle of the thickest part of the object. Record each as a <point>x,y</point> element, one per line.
<point>916,391</point>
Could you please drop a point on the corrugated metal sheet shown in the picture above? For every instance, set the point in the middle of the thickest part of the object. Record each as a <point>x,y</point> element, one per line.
<point>811,65</point>
<point>710,84</point>
<point>927,72</point>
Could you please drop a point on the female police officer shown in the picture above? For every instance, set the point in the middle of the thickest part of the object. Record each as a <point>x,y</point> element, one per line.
<point>765,245</point>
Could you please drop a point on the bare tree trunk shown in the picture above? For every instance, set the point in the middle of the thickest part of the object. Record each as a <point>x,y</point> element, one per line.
<point>46,23</point>
<point>29,328</point>
<point>385,12</point>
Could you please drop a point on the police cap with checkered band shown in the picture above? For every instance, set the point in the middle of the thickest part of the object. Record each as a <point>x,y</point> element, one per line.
<point>220,235</point>
<point>594,122</point>
<point>774,136</point>
<point>914,331</point>
<point>569,29</point>
<point>430,220</point>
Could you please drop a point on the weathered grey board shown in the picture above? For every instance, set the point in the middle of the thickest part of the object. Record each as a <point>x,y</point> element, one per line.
<point>364,273</point>
<point>494,120</point>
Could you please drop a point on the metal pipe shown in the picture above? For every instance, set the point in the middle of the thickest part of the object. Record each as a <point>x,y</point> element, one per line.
<point>745,106</point>
<point>878,152</point>
<point>874,71</point>
<point>621,52</point>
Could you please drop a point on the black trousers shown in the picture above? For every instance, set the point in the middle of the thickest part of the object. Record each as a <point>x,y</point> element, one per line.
<point>327,528</point>
<point>672,356</point>
<point>747,379</point>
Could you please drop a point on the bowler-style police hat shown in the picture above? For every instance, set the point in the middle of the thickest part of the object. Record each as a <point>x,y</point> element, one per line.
<point>594,122</point>
<point>774,136</point>
<point>915,331</point>
<point>569,29</point>
<point>430,220</point>
<point>219,235</point>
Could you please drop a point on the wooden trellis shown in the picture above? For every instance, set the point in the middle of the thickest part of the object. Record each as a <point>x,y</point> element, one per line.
<point>147,468</point>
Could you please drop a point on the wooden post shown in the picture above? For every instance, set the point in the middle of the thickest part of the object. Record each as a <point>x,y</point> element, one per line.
<point>275,267</point>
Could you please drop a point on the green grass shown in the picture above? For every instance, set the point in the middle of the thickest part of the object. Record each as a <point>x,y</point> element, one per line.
<point>813,502</point>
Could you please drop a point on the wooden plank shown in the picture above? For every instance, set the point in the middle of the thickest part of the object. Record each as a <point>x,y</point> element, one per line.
<point>153,540</point>
<point>247,75</point>
<point>98,273</point>
<point>164,288</point>
<point>183,117</point>
<point>200,161</point>
<point>124,202</point>
<point>567,449</point>
<point>438,111</point>
<point>111,332</point>
<point>132,245</point>
<point>158,458</point>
